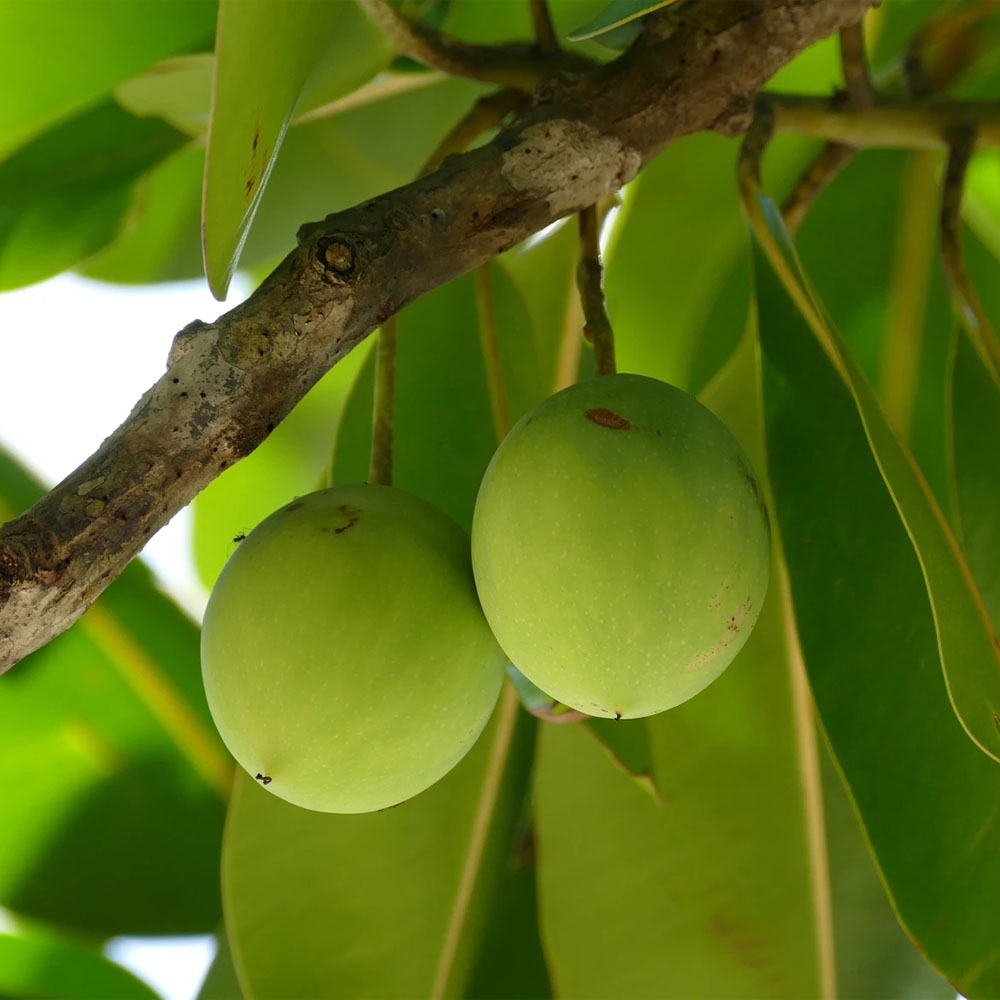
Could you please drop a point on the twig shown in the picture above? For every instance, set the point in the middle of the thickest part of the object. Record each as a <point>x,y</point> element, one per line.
<point>545,32</point>
<point>384,403</point>
<point>900,124</point>
<point>512,65</point>
<point>752,151</point>
<point>963,293</point>
<point>830,160</point>
<point>860,90</point>
<point>490,344</point>
<point>229,383</point>
<point>834,156</point>
<point>589,279</point>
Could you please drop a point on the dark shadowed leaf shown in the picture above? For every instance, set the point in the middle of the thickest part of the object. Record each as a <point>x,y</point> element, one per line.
<point>870,649</point>
<point>114,779</point>
<point>975,423</point>
<point>970,652</point>
<point>66,194</point>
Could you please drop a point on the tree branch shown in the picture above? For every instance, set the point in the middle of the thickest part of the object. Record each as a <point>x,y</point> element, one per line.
<point>512,65</point>
<point>228,384</point>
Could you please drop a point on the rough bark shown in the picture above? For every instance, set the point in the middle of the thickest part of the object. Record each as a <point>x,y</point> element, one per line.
<point>697,66</point>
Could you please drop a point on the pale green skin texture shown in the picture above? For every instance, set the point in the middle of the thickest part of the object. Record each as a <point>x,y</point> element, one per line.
<point>350,662</point>
<point>621,569</point>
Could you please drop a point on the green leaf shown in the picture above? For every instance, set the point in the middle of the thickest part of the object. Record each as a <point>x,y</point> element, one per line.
<point>617,13</point>
<point>291,462</point>
<point>160,239</point>
<point>111,760</point>
<point>886,291</point>
<point>670,320</point>
<point>511,962</point>
<point>871,653</point>
<point>387,904</point>
<point>974,420</point>
<point>37,962</point>
<point>66,194</point>
<point>874,957</point>
<point>359,150</point>
<point>59,56</point>
<point>441,397</point>
<point>266,53</point>
<point>970,652</point>
<point>627,742</point>
<point>641,900</point>
<point>178,90</point>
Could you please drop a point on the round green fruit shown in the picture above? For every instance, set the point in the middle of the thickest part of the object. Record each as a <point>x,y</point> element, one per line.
<point>620,546</point>
<point>346,659</point>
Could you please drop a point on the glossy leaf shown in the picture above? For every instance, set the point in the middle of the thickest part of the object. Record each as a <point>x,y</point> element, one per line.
<point>59,56</point>
<point>266,52</point>
<point>36,962</point>
<point>870,650</point>
<point>641,900</point>
<point>975,420</point>
<point>617,13</point>
<point>66,194</point>
<point>970,652</point>
<point>110,760</point>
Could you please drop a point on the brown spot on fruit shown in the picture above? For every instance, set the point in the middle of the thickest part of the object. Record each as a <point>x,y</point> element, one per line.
<point>353,515</point>
<point>607,418</point>
<point>264,779</point>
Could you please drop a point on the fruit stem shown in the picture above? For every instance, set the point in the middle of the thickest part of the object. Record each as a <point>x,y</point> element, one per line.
<point>545,32</point>
<point>589,279</point>
<point>384,403</point>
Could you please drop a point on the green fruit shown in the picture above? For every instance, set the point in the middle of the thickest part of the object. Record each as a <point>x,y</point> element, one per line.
<point>346,660</point>
<point>620,546</point>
